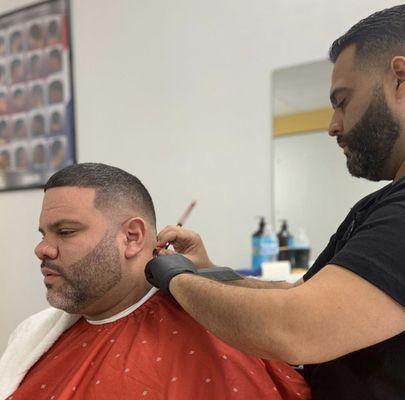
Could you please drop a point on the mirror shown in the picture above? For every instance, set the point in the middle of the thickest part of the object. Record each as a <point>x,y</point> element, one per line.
<point>313,189</point>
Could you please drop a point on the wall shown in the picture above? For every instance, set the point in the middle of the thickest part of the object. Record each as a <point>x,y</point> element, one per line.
<point>179,94</point>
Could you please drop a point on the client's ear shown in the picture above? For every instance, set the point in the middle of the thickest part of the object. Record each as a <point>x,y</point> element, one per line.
<point>135,231</point>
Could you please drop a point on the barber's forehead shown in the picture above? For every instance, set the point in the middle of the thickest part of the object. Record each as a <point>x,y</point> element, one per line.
<point>346,75</point>
<point>345,60</point>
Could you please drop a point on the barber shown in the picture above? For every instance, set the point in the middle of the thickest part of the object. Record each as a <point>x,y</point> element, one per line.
<point>345,320</point>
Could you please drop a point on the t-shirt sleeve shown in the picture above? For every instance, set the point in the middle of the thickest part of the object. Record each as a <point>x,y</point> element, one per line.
<point>376,250</point>
<point>322,259</point>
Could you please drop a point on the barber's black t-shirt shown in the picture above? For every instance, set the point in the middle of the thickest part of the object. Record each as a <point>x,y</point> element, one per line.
<point>371,243</point>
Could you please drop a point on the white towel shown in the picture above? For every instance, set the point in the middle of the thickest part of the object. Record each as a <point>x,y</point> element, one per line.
<point>30,340</point>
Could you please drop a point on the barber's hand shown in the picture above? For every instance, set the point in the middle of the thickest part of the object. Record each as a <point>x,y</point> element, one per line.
<point>185,242</point>
<point>160,270</point>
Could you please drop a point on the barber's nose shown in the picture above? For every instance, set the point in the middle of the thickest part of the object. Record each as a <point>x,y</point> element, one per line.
<point>335,126</point>
<point>46,250</point>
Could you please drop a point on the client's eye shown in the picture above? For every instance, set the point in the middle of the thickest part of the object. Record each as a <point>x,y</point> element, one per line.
<point>65,232</point>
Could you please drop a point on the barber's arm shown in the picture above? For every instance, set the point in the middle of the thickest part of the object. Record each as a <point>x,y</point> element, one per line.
<point>254,283</point>
<point>332,314</point>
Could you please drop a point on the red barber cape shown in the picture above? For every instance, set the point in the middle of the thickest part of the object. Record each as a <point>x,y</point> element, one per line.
<point>156,352</point>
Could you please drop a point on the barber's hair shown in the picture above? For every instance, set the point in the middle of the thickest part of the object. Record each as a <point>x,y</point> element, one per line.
<point>377,38</point>
<point>114,187</point>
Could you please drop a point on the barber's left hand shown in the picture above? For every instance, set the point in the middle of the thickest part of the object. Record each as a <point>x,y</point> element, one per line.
<point>185,242</point>
<point>160,270</point>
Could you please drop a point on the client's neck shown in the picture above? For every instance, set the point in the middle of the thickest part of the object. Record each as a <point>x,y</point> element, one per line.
<point>118,299</point>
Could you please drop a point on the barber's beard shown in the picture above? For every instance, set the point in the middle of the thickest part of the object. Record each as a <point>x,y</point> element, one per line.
<point>87,280</point>
<point>370,143</point>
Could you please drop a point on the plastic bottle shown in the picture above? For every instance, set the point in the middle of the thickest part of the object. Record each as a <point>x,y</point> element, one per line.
<point>284,236</point>
<point>273,246</point>
<point>257,258</point>
<point>264,246</point>
<point>302,249</point>
<point>286,241</point>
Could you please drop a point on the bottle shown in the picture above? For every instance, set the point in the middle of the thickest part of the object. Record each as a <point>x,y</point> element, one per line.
<point>302,249</point>
<point>271,243</point>
<point>264,246</point>
<point>284,236</point>
<point>286,242</point>
<point>257,258</point>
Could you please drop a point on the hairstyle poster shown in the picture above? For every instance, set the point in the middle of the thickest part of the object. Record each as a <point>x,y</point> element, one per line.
<point>36,96</point>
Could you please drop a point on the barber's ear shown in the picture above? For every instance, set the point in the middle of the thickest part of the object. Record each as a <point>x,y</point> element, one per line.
<point>398,69</point>
<point>135,236</point>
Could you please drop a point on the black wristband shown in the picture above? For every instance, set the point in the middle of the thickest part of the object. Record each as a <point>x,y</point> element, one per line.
<point>160,270</point>
<point>222,274</point>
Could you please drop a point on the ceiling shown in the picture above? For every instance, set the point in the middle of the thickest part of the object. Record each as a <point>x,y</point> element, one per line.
<point>302,87</point>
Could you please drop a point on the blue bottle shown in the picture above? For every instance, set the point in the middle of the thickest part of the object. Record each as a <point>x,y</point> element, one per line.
<point>265,246</point>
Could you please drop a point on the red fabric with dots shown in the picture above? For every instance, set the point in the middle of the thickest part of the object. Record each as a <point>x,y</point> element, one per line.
<point>156,352</point>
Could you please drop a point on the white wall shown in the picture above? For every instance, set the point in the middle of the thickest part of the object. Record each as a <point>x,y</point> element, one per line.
<point>179,94</point>
<point>313,189</point>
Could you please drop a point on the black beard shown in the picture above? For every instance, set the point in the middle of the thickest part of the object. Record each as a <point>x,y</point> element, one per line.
<point>370,142</point>
<point>86,280</point>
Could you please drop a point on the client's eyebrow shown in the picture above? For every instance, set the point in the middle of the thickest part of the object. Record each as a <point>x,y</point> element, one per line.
<point>57,224</point>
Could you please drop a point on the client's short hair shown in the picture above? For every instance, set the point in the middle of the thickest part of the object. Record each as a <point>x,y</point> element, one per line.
<point>115,188</point>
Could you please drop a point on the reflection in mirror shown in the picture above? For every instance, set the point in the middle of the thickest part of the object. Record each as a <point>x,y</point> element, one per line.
<point>313,189</point>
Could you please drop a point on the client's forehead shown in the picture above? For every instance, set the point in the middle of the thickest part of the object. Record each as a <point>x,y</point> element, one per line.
<point>69,197</point>
<point>70,206</point>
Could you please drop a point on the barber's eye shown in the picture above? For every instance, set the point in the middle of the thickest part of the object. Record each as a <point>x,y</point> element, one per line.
<point>341,105</point>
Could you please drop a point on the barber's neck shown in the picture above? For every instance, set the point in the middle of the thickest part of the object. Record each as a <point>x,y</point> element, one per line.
<point>400,172</point>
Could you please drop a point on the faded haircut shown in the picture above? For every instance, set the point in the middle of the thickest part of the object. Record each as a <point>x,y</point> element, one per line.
<point>377,39</point>
<point>115,188</point>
